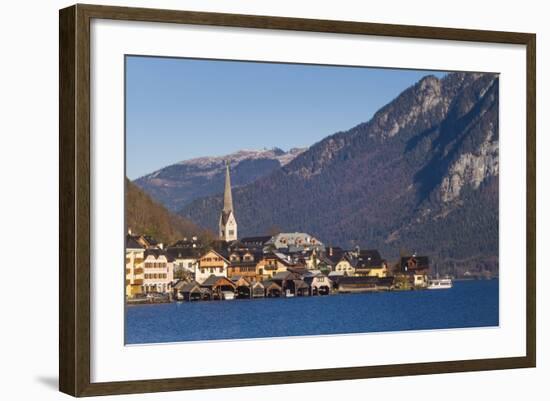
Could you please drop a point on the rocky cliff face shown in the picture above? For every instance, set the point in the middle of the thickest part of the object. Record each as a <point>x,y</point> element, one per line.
<point>177,185</point>
<point>421,175</point>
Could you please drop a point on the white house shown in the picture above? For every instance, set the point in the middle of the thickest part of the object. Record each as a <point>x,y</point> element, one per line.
<point>158,271</point>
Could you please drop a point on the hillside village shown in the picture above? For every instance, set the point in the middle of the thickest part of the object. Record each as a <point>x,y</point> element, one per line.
<point>280,265</point>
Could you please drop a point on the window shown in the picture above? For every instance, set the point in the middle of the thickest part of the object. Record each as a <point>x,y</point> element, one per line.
<point>231,232</point>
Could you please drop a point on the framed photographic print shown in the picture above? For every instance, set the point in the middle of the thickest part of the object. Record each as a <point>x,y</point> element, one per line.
<point>250,200</point>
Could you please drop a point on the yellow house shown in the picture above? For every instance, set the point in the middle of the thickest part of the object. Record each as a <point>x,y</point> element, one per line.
<point>134,267</point>
<point>270,265</point>
<point>370,263</point>
<point>345,266</point>
<point>379,271</point>
<point>210,263</point>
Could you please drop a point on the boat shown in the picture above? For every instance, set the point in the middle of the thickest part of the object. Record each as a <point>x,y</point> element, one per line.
<point>288,294</point>
<point>228,295</point>
<point>440,283</point>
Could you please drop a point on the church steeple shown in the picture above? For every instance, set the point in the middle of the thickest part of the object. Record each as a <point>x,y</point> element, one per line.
<point>227,197</point>
<point>228,223</point>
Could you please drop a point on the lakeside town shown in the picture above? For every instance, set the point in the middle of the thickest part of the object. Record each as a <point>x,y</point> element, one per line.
<point>279,265</point>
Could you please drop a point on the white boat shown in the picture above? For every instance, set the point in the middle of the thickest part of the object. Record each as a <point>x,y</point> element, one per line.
<point>439,283</point>
<point>288,294</point>
<point>228,295</point>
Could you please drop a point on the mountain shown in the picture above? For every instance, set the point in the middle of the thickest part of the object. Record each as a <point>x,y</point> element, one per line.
<point>177,185</point>
<point>421,175</point>
<point>145,216</point>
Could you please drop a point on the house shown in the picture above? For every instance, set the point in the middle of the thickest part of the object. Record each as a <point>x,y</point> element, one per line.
<point>319,284</point>
<point>416,268</point>
<point>272,263</point>
<point>242,263</point>
<point>184,259</point>
<point>134,266</point>
<point>345,264</point>
<point>309,258</point>
<point>294,242</point>
<point>158,271</point>
<point>217,285</point>
<point>370,263</point>
<point>211,263</point>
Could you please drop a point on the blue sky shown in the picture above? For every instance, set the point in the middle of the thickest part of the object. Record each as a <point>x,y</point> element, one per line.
<point>178,109</point>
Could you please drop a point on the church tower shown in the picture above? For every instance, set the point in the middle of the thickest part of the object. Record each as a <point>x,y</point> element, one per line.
<point>228,224</point>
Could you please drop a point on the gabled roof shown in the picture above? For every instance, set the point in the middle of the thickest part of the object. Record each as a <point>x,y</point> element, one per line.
<point>411,263</point>
<point>156,252</point>
<point>368,259</point>
<point>300,284</point>
<point>213,280</point>
<point>255,241</point>
<point>150,240</point>
<point>219,253</point>
<point>256,255</point>
<point>268,284</point>
<point>182,253</point>
<point>186,243</point>
<point>338,256</point>
<point>241,281</point>
<point>132,242</point>
<point>182,283</point>
<point>298,269</point>
<point>288,275</point>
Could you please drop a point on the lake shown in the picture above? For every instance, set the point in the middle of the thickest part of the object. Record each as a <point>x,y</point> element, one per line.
<point>467,304</point>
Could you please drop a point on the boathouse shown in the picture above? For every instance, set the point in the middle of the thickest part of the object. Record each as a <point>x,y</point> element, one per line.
<point>217,285</point>
<point>272,289</point>
<point>190,292</point>
<point>319,284</point>
<point>257,289</point>
<point>243,287</point>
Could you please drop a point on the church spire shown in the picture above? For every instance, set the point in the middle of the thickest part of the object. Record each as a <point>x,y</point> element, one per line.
<point>227,197</point>
<point>228,223</point>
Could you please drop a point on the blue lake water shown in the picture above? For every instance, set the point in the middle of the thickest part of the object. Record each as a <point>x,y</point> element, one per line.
<point>467,304</point>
